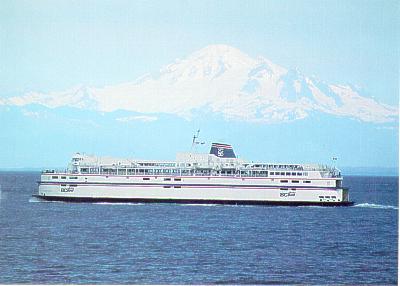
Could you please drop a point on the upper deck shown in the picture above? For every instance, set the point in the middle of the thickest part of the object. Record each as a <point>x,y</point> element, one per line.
<point>196,164</point>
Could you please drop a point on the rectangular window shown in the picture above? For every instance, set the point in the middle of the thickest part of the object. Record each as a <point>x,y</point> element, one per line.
<point>293,174</point>
<point>63,177</point>
<point>73,178</point>
<point>321,197</point>
<point>287,173</point>
<point>177,187</point>
<point>307,182</point>
<point>167,179</point>
<point>333,197</point>
<point>177,179</point>
<point>284,181</point>
<point>271,173</point>
<point>295,181</point>
<point>54,177</point>
<point>327,197</point>
<point>166,187</point>
<point>284,189</point>
<point>146,179</point>
<point>282,173</point>
<point>298,174</point>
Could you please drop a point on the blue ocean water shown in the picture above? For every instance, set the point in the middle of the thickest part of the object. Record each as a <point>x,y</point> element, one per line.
<point>82,243</point>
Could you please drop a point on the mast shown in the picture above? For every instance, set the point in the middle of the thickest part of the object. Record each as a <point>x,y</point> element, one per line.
<point>195,141</point>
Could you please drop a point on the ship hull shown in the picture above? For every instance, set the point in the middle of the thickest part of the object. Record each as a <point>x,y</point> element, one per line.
<point>189,201</point>
<point>192,190</point>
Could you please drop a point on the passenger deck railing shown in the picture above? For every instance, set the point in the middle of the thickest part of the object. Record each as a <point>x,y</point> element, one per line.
<point>238,171</point>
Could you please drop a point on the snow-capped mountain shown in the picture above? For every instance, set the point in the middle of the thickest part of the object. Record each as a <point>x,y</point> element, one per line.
<point>223,80</point>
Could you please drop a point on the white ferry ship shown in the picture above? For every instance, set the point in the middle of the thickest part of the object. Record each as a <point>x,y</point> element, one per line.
<point>218,177</point>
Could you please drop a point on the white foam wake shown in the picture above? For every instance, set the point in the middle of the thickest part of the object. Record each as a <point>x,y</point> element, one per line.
<point>118,203</point>
<point>376,206</point>
<point>200,205</point>
<point>37,200</point>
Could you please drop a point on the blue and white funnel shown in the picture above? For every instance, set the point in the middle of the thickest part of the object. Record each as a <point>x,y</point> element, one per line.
<point>222,150</point>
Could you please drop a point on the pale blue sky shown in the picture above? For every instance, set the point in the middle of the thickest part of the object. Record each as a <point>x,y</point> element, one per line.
<point>50,46</point>
<point>53,45</point>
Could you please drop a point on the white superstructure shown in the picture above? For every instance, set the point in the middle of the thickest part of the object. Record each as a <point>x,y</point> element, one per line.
<point>217,177</point>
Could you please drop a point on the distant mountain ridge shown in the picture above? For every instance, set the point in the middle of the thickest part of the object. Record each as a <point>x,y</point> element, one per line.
<point>222,80</point>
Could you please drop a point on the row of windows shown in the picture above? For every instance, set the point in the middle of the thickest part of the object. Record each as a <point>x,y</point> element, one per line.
<point>288,174</point>
<point>295,181</point>
<point>134,171</point>
<point>175,172</point>
<point>177,179</point>
<point>327,197</point>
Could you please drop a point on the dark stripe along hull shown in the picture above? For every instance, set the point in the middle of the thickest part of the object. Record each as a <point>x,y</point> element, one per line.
<point>185,201</point>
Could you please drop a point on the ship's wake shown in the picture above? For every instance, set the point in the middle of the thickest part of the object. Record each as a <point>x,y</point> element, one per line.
<point>200,205</point>
<point>36,200</point>
<point>376,206</point>
<point>118,203</point>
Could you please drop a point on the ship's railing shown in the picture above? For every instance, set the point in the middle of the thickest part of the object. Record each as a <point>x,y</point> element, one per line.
<point>241,170</point>
<point>56,171</point>
<point>195,166</point>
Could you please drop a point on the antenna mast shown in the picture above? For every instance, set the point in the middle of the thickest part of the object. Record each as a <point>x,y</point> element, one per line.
<point>195,141</point>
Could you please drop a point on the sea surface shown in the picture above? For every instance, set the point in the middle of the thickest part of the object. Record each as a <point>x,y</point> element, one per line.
<point>89,243</point>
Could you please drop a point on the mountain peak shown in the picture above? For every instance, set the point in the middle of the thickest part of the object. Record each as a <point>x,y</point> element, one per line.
<point>220,50</point>
<point>224,80</point>
<point>228,55</point>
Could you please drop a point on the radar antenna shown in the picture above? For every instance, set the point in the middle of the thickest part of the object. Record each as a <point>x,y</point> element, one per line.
<point>195,141</point>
